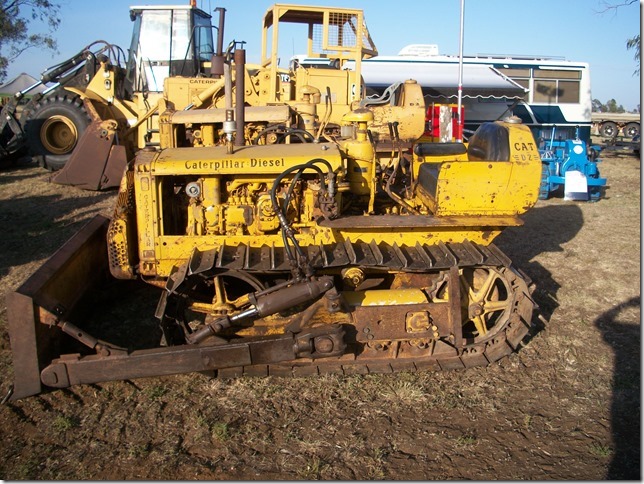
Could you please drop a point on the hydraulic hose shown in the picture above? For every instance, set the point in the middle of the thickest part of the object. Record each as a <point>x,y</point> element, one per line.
<point>287,231</point>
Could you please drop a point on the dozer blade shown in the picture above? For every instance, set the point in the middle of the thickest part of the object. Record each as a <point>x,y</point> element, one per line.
<point>51,294</point>
<point>40,311</point>
<point>97,162</point>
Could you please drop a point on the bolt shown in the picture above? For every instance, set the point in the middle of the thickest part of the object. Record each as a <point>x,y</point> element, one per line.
<point>323,344</point>
<point>476,310</point>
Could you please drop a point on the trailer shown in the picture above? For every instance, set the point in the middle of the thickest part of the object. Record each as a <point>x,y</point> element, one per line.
<point>612,125</point>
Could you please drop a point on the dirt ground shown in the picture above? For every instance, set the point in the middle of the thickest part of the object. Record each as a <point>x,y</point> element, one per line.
<point>566,406</point>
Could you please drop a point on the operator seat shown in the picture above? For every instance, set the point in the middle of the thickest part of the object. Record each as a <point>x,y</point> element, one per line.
<point>490,142</point>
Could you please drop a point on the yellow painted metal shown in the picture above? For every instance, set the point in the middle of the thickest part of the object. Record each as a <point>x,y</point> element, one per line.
<point>466,187</point>
<point>307,98</point>
<point>147,219</point>
<point>338,84</point>
<point>325,39</point>
<point>160,253</point>
<point>245,161</point>
<point>231,204</point>
<point>475,201</point>
<point>183,91</point>
<point>58,135</point>
<point>408,112</point>
<point>385,297</point>
<point>142,109</point>
<point>359,153</point>
<point>101,90</point>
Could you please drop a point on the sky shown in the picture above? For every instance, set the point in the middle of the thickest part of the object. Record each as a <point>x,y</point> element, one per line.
<point>577,30</point>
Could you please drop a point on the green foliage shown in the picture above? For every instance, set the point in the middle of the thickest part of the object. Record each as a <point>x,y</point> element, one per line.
<point>601,450</point>
<point>611,106</point>
<point>220,431</point>
<point>465,440</point>
<point>634,43</point>
<point>63,423</point>
<point>155,392</point>
<point>16,22</point>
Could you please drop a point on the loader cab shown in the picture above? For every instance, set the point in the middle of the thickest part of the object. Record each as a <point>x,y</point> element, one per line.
<point>170,40</point>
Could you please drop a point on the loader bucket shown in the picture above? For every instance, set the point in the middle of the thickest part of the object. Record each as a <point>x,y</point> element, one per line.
<point>51,294</point>
<point>97,162</point>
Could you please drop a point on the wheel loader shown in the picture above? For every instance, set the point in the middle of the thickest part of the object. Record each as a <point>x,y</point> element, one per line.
<point>100,112</point>
<point>100,107</point>
<point>314,232</point>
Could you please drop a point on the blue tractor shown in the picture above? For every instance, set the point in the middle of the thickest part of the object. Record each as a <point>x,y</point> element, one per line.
<point>569,163</point>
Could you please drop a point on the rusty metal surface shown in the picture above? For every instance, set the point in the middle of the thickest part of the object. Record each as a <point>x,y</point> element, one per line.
<point>97,161</point>
<point>22,335</point>
<point>51,293</point>
<point>415,356</point>
<point>455,307</point>
<point>74,370</point>
<point>389,221</point>
<point>419,258</point>
<point>400,322</point>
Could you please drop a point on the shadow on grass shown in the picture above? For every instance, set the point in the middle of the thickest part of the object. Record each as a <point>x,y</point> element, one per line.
<point>35,226</point>
<point>546,228</point>
<point>624,336</point>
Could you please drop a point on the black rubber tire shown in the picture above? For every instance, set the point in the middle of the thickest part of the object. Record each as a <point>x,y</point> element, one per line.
<point>631,129</point>
<point>608,129</point>
<point>66,115</point>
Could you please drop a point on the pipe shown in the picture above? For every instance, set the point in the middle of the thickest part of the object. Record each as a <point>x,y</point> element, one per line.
<point>220,30</point>
<point>240,89</point>
<point>460,75</point>
<point>228,86</point>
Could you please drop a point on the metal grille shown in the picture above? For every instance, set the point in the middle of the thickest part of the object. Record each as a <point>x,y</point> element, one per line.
<point>342,32</point>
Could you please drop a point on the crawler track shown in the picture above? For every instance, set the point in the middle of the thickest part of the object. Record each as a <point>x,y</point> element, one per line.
<point>441,356</point>
<point>473,347</point>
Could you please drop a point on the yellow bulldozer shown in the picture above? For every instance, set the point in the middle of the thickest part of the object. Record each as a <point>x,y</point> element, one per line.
<point>292,226</point>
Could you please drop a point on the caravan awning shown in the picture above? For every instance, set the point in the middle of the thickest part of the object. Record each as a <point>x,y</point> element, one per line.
<point>440,79</point>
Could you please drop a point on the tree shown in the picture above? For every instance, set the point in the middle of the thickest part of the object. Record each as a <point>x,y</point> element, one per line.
<point>634,43</point>
<point>598,106</point>
<point>16,19</point>
<point>612,107</point>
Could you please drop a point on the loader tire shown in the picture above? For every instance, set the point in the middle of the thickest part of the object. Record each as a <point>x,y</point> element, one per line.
<point>53,128</point>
